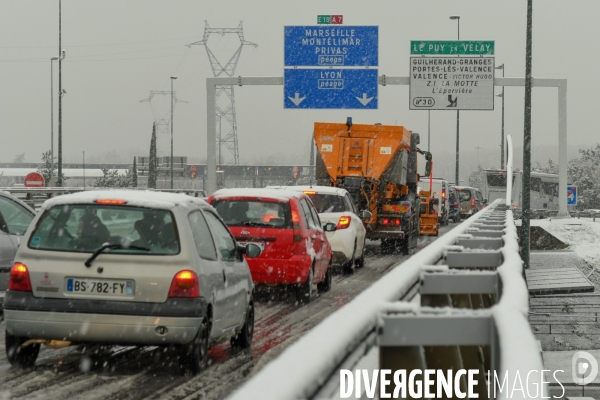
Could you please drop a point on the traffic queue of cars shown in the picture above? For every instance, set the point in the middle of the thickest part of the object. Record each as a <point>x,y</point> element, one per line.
<point>149,268</point>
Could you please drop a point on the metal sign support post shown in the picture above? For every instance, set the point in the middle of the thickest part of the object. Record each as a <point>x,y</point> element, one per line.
<point>211,120</point>
<point>211,124</point>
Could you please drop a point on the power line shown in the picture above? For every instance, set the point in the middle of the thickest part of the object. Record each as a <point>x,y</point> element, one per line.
<point>109,59</point>
<point>97,45</point>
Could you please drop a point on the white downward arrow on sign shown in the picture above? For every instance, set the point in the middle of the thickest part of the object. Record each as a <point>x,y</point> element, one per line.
<point>365,100</point>
<point>297,100</point>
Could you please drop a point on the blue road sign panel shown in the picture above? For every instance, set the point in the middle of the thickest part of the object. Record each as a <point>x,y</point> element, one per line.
<point>335,45</point>
<point>330,88</point>
<point>571,195</point>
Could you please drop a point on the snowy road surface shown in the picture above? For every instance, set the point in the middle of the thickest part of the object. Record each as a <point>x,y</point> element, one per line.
<point>152,373</point>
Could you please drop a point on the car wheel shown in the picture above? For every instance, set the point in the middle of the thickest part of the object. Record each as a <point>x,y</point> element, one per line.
<point>388,246</point>
<point>361,261</point>
<point>304,290</point>
<point>18,356</point>
<point>193,356</point>
<point>351,265</point>
<point>325,285</point>
<point>404,245</point>
<point>244,337</point>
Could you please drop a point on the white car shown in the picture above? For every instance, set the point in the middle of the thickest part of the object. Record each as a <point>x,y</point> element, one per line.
<point>128,268</point>
<point>335,205</point>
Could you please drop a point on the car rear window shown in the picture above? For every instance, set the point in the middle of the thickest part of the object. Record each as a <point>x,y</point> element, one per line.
<point>463,195</point>
<point>254,213</point>
<point>328,203</point>
<point>84,228</point>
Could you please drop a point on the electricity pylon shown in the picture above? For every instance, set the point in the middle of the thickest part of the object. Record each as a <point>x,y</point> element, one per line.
<point>162,120</point>
<point>224,100</point>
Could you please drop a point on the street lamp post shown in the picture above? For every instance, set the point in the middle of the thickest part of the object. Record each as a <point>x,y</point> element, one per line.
<point>502,133</point>
<point>172,97</point>
<point>52,116</point>
<point>428,130</point>
<point>478,148</point>
<point>60,94</point>
<point>457,18</point>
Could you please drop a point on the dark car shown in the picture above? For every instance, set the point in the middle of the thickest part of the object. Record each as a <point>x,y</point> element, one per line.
<point>454,206</point>
<point>15,217</point>
<point>471,200</point>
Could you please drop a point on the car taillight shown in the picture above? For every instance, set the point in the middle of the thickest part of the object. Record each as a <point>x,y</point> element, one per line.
<point>299,244</point>
<point>185,284</point>
<point>296,225</point>
<point>443,193</point>
<point>397,221</point>
<point>19,278</point>
<point>385,221</point>
<point>343,223</point>
<point>473,203</point>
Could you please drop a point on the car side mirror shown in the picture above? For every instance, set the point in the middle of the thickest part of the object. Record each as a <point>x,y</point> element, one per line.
<point>485,201</point>
<point>251,250</point>
<point>329,227</point>
<point>366,214</point>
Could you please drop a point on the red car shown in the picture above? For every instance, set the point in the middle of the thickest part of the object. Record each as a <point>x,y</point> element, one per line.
<point>287,227</point>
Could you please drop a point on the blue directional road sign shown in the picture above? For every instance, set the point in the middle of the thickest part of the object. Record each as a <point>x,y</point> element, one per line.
<point>330,88</point>
<point>571,195</point>
<point>331,45</point>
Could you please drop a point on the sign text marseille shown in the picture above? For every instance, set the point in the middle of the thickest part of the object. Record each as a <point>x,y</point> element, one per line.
<point>314,46</point>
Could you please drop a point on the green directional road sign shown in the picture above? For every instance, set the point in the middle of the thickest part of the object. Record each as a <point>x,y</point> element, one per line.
<point>449,47</point>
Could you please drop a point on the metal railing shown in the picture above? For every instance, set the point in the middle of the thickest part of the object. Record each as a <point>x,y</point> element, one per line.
<point>461,302</point>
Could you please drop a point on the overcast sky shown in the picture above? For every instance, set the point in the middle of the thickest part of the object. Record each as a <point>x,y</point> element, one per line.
<point>119,50</point>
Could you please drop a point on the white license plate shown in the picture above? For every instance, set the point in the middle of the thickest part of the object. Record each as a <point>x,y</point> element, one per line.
<point>259,244</point>
<point>103,287</point>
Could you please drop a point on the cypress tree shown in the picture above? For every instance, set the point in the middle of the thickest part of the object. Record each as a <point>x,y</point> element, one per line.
<point>134,182</point>
<point>153,161</point>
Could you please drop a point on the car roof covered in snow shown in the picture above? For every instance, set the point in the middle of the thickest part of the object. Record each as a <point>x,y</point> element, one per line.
<point>318,189</point>
<point>274,194</point>
<point>139,198</point>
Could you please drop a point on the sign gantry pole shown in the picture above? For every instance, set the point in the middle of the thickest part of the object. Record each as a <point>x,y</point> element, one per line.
<point>561,84</point>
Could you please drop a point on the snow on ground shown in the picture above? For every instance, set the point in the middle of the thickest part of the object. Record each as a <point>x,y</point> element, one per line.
<point>582,236</point>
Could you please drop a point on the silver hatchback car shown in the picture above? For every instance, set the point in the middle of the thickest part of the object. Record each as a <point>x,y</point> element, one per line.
<point>128,267</point>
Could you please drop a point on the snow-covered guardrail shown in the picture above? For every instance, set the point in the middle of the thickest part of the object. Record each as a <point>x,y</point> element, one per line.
<point>465,289</point>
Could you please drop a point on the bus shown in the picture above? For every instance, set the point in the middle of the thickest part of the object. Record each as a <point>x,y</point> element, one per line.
<point>543,191</point>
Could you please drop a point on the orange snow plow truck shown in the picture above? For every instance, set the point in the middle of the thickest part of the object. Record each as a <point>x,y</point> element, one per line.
<point>377,165</point>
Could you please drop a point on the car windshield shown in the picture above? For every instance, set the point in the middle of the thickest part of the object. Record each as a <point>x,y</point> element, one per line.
<point>328,203</point>
<point>84,228</point>
<point>463,195</point>
<point>254,213</point>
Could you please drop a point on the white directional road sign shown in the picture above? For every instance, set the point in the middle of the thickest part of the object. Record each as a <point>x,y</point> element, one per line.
<point>452,83</point>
